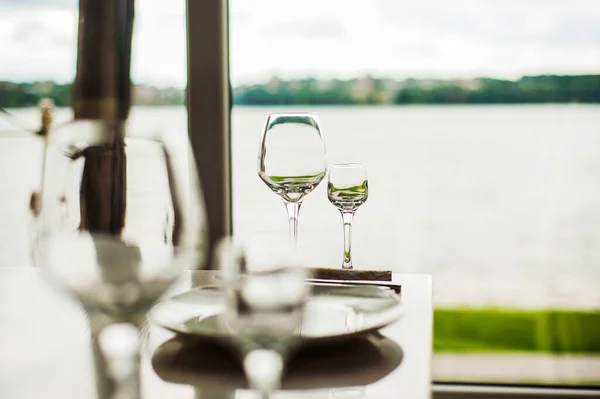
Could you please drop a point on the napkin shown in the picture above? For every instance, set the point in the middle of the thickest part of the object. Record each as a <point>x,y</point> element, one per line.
<point>351,274</point>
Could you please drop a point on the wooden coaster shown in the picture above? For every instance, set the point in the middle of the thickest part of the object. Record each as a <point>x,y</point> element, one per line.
<point>351,274</point>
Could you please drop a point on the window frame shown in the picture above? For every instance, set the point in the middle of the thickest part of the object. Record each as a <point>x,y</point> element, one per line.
<point>509,391</point>
<point>209,115</point>
<point>210,136</point>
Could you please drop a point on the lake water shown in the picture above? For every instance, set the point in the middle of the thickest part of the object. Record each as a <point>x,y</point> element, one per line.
<point>500,203</point>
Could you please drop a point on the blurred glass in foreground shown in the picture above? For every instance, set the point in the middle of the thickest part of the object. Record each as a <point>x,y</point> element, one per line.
<point>118,218</point>
<point>266,292</point>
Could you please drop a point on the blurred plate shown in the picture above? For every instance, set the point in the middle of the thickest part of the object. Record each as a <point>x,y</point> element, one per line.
<point>333,312</point>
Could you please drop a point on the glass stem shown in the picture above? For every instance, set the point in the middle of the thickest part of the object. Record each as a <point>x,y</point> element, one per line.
<point>263,368</point>
<point>120,345</point>
<point>347,218</point>
<point>293,208</point>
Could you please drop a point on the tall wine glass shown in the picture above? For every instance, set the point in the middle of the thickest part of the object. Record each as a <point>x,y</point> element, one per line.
<point>347,189</point>
<point>265,295</point>
<point>120,216</point>
<point>291,160</point>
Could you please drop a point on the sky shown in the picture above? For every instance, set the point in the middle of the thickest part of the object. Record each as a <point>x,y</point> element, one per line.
<point>325,38</point>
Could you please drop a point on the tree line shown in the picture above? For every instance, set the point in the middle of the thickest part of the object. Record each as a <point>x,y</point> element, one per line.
<point>13,95</point>
<point>19,95</point>
<point>534,89</point>
<point>310,91</point>
<point>529,89</point>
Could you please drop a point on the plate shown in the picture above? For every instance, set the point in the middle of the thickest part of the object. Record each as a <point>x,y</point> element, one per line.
<point>333,311</point>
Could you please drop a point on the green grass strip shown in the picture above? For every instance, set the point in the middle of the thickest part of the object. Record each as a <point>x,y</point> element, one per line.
<point>507,330</point>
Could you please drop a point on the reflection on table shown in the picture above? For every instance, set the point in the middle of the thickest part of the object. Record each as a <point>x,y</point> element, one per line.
<point>44,339</point>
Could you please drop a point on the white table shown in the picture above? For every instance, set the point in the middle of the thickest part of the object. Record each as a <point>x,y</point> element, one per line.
<point>45,347</point>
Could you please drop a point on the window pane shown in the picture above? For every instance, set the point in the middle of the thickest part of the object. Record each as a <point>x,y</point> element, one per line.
<point>479,175</point>
<point>38,56</point>
<point>38,53</point>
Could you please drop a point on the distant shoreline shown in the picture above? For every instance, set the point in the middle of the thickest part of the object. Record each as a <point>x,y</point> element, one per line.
<point>349,106</point>
<point>366,90</point>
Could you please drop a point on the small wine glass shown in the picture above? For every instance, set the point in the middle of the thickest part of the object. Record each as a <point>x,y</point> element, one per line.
<point>291,160</point>
<point>266,291</point>
<point>347,189</point>
<point>118,218</point>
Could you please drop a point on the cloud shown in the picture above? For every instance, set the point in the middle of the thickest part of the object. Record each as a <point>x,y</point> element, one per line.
<point>501,24</point>
<point>333,38</point>
<point>27,30</point>
<point>40,43</point>
<point>159,43</point>
<point>507,38</point>
<point>575,30</point>
<point>322,26</point>
<point>48,4</point>
<point>34,33</point>
<point>37,45</point>
<point>424,50</point>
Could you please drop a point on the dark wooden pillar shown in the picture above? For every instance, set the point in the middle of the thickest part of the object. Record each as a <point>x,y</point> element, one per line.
<point>102,88</point>
<point>102,92</point>
<point>209,105</point>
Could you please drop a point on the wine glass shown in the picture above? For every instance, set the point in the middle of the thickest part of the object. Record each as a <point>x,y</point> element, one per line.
<point>118,218</point>
<point>266,291</point>
<point>347,189</point>
<point>291,160</point>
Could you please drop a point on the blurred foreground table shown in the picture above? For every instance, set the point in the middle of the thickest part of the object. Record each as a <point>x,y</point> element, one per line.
<point>46,352</point>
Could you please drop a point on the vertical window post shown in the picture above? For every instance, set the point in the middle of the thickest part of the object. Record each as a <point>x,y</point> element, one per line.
<point>209,105</point>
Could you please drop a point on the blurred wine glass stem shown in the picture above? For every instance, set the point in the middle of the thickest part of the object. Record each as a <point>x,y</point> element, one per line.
<point>347,218</point>
<point>264,368</point>
<point>119,345</point>
<point>293,208</point>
